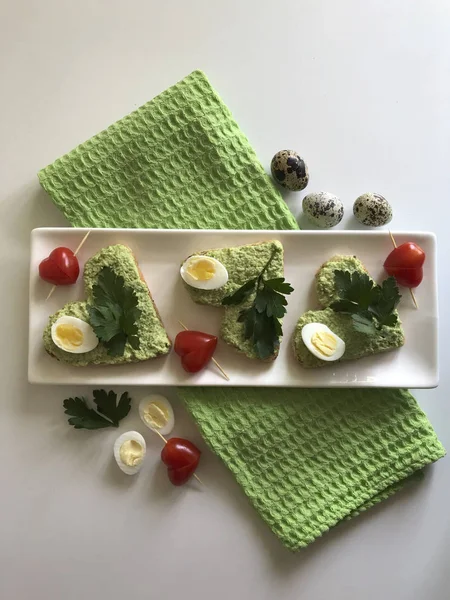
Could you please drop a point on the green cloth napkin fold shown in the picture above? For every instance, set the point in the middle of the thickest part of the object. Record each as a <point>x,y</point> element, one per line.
<point>178,162</point>
<point>306,459</point>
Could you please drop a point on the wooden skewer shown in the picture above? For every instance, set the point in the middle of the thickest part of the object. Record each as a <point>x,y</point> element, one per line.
<point>165,441</point>
<point>212,358</point>
<point>394,243</point>
<point>50,292</point>
<point>75,253</point>
<point>82,242</point>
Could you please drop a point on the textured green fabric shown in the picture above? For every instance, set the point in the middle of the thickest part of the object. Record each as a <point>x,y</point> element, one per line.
<point>179,161</point>
<point>306,459</point>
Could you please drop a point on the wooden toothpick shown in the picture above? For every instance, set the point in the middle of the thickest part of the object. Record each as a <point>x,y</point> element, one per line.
<point>75,253</point>
<point>394,243</point>
<point>212,358</point>
<point>165,441</point>
<point>82,242</point>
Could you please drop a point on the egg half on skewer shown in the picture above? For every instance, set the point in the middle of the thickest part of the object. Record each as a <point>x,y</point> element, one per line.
<point>204,272</point>
<point>129,452</point>
<point>73,335</point>
<point>157,413</point>
<point>322,342</point>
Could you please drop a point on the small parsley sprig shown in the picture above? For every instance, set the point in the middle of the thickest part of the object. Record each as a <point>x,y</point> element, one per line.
<point>109,413</point>
<point>261,319</point>
<point>114,312</point>
<point>370,305</point>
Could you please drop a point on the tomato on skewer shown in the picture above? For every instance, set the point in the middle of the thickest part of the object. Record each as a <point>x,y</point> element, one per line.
<point>61,267</point>
<point>181,458</point>
<point>195,349</point>
<point>405,264</point>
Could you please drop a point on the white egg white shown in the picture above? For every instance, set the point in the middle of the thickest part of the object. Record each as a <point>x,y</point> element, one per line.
<point>161,406</point>
<point>125,437</point>
<point>89,342</point>
<point>218,280</point>
<point>307,333</point>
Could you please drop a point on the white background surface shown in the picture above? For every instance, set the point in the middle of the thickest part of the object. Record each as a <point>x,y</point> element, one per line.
<point>362,90</point>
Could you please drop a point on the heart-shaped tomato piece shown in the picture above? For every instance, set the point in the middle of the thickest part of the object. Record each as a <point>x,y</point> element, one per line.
<point>181,458</point>
<point>195,348</point>
<point>405,264</point>
<point>61,267</point>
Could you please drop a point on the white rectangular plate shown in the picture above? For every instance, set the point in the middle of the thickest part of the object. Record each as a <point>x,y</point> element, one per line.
<point>159,254</point>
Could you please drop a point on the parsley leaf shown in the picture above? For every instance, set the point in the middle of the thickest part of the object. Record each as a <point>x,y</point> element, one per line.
<point>262,331</point>
<point>83,417</point>
<point>114,312</point>
<point>372,306</point>
<point>363,323</point>
<point>279,284</point>
<point>345,305</point>
<point>109,412</point>
<point>116,345</point>
<point>356,289</point>
<point>388,300</point>
<point>106,405</point>
<point>262,319</point>
<point>241,294</point>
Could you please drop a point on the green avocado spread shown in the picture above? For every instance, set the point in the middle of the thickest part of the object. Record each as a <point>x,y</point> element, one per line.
<point>153,339</point>
<point>242,263</point>
<point>357,345</point>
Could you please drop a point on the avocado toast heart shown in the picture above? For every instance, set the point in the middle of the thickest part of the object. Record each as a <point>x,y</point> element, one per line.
<point>357,344</point>
<point>152,339</point>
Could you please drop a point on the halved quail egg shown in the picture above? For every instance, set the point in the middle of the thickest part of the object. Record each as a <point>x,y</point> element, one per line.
<point>129,452</point>
<point>157,414</point>
<point>71,334</point>
<point>322,342</point>
<point>204,272</point>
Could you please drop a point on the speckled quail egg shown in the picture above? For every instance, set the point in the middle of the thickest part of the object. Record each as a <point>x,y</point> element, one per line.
<point>322,342</point>
<point>323,209</point>
<point>73,335</point>
<point>204,272</point>
<point>290,170</point>
<point>129,452</point>
<point>372,210</point>
<point>157,414</point>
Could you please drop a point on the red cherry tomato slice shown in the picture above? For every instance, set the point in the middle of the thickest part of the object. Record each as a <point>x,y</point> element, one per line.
<point>61,267</point>
<point>195,349</point>
<point>405,264</point>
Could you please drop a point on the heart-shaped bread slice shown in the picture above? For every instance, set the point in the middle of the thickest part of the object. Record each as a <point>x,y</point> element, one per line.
<point>153,339</point>
<point>357,345</point>
<point>242,263</point>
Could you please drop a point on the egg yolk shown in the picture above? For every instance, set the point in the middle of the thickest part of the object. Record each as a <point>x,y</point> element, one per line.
<point>156,415</point>
<point>201,270</point>
<point>131,453</point>
<point>324,342</point>
<point>69,335</point>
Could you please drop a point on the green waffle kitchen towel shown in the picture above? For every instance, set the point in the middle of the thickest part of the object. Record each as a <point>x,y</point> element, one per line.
<point>306,459</point>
